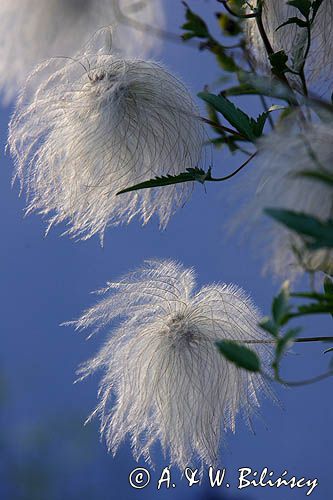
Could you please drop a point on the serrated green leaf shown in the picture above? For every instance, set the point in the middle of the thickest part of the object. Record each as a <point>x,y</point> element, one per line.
<point>259,124</point>
<point>192,174</point>
<point>236,117</point>
<point>241,356</point>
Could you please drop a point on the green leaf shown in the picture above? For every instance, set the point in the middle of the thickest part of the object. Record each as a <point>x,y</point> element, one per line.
<point>280,306</point>
<point>278,62</point>
<point>226,61</point>
<point>321,308</point>
<point>304,6</point>
<point>269,326</point>
<point>242,89</point>
<point>249,127</point>
<point>240,355</point>
<point>192,174</point>
<point>294,20</point>
<point>283,342</point>
<point>315,7</point>
<point>318,175</point>
<point>229,26</point>
<point>319,233</point>
<point>194,26</point>
<point>259,124</point>
<point>320,297</point>
<point>328,286</point>
<point>328,289</point>
<point>235,116</point>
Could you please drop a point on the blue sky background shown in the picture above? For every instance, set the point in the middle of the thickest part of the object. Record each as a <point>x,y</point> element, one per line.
<point>44,447</point>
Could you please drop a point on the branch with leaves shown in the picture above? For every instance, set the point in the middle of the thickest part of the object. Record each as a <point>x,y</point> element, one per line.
<point>240,132</point>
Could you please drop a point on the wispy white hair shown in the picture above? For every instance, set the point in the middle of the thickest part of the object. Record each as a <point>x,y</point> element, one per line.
<point>163,377</point>
<point>273,181</point>
<point>98,124</point>
<point>34,30</point>
<point>291,38</point>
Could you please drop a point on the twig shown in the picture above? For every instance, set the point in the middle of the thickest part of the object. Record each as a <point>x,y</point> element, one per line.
<point>222,127</point>
<point>299,340</point>
<point>235,172</point>
<point>235,14</point>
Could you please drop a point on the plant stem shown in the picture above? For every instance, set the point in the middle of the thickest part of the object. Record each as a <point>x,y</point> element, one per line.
<point>235,14</point>
<point>222,127</point>
<point>306,382</point>
<point>299,340</point>
<point>269,49</point>
<point>302,70</point>
<point>309,381</point>
<point>235,172</point>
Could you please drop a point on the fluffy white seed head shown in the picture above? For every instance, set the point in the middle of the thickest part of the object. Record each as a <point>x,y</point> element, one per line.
<point>273,181</point>
<point>292,38</point>
<point>34,30</point>
<point>98,124</point>
<point>163,377</point>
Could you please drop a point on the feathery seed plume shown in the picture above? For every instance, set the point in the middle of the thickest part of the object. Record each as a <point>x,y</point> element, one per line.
<point>95,125</point>
<point>275,182</point>
<point>292,39</point>
<point>163,377</point>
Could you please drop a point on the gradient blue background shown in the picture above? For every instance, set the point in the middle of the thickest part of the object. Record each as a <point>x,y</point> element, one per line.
<point>45,452</point>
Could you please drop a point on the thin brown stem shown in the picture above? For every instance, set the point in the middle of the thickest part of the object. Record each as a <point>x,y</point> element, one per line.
<point>299,340</point>
<point>235,14</point>
<point>269,49</point>
<point>223,128</point>
<point>309,381</point>
<point>227,177</point>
